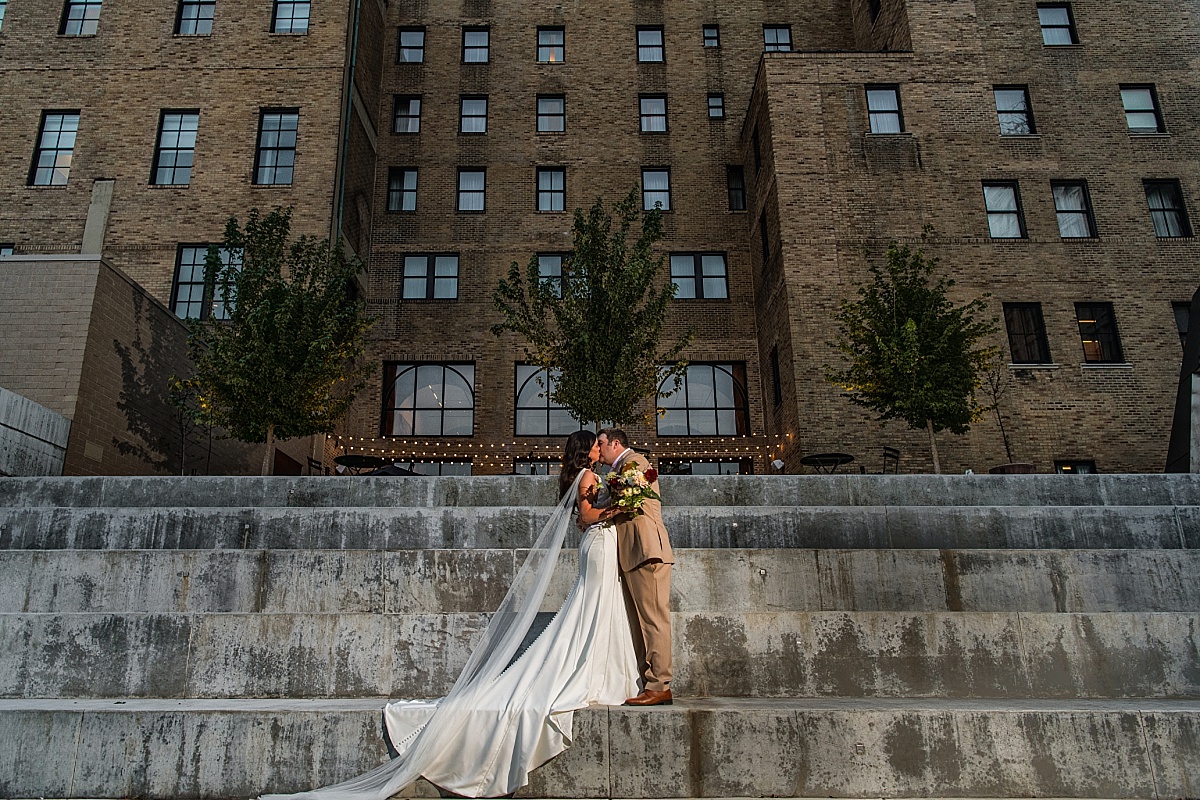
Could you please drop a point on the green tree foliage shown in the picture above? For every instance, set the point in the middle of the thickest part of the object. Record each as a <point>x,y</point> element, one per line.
<point>601,325</point>
<point>913,354</point>
<point>287,361</point>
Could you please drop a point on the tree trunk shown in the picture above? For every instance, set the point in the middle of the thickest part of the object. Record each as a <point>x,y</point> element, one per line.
<point>266,467</point>
<point>937,465</point>
<point>1004,435</point>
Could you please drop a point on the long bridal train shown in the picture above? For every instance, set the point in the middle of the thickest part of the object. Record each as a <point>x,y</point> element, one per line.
<point>511,711</point>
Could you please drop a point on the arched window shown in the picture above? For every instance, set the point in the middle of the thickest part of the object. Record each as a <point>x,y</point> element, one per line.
<point>429,400</point>
<point>710,401</point>
<point>536,413</point>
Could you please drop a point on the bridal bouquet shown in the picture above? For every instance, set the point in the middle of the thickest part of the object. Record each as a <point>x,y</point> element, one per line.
<point>630,487</point>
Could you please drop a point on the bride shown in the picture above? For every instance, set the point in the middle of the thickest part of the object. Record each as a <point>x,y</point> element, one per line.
<point>512,706</point>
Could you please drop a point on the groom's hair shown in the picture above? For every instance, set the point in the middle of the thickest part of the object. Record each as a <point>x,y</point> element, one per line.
<point>616,435</point>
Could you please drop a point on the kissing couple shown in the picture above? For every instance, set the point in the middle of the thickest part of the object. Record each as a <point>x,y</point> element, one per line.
<point>513,704</point>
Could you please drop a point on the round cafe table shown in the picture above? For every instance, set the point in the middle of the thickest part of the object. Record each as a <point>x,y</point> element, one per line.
<point>826,463</point>
<point>358,462</point>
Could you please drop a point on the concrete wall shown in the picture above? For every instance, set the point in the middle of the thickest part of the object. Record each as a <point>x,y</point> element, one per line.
<point>33,439</point>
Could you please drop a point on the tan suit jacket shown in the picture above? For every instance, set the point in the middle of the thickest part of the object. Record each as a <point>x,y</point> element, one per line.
<point>645,536</point>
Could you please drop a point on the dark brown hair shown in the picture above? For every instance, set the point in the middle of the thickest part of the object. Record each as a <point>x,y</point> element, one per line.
<point>616,435</point>
<point>575,459</point>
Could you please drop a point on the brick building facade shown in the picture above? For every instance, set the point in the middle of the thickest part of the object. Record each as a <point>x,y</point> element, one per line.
<point>1051,147</point>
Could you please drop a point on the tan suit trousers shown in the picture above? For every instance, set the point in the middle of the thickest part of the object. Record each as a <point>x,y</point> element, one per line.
<point>648,604</point>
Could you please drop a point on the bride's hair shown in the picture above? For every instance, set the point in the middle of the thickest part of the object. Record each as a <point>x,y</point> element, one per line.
<point>575,458</point>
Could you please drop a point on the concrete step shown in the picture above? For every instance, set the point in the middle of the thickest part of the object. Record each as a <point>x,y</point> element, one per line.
<point>764,654</point>
<point>400,528</point>
<point>721,579</point>
<point>696,748</point>
<point>519,490</point>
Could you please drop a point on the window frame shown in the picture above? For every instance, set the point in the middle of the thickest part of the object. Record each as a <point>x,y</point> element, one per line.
<point>430,277</point>
<point>558,282</point>
<point>533,373</point>
<point>769,47</point>
<point>561,116</point>
<point>208,302</point>
<point>55,168</point>
<point>1027,114</point>
<point>1019,212</point>
<point>644,116</point>
<point>475,48</point>
<point>198,20</point>
<point>661,47</point>
<point>259,149</point>
<point>646,192</point>
<point>551,193</point>
<point>741,412</point>
<point>402,192</point>
<point>463,116</point>
<point>719,106</point>
<point>561,46</point>
<point>737,171</point>
<point>1034,346</point>
<point>1086,212</point>
<point>159,150</point>
<point>460,192</point>
<point>292,31</point>
<point>712,41</point>
<point>1118,354</point>
<point>697,275</point>
<point>1072,31</point>
<point>401,48</point>
<point>872,113</point>
<point>1180,209</point>
<point>396,115</point>
<point>1160,126</point>
<point>391,374</point>
<point>1075,466</point>
<point>3,9</point>
<point>86,26</point>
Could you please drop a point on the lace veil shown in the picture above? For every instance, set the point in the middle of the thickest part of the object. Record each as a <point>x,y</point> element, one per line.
<point>501,642</point>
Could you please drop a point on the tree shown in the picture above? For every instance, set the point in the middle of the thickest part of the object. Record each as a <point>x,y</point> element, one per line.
<point>194,419</point>
<point>286,362</point>
<point>913,354</point>
<point>600,326</point>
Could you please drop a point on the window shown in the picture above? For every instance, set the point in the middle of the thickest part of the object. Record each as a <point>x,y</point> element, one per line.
<point>1142,114</point>
<point>536,413</point>
<point>735,182</point>
<point>1003,205</point>
<point>1098,333</point>
<point>80,18</point>
<point>777,38</point>
<point>475,45</point>
<point>411,47</point>
<point>1166,209</point>
<point>1013,110</point>
<point>550,45</point>
<point>710,401</point>
<point>1075,467</point>
<point>1182,310</point>
<point>650,44</point>
<point>883,109</point>
<point>712,35</point>
<point>654,113</point>
<point>55,148</point>
<point>1026,333</point>
<point>290,17</point>
<point>1058,26</point>
<point>195,17</point>
<point>473,117</point>
<point>430,277</point>
<point>276,148</point>
<point>1074,209</point>
<point>429,400</point>
<point>471,186</point>
<point>551,189</point>
<point>699,276</point>
<point>7,249</point>
<point>537,466</point>
<point>550,272</point>
<point>716,106</point>
<point>407,115</point>
<point>3,8</point>
<point>656,189</point>
<point>715,466</point>
<point>441,466</point>
<point>176,148</point>
<point>776,379</point>
<point>190,298</point>
<point>551,114</point>
<point>402,189</point>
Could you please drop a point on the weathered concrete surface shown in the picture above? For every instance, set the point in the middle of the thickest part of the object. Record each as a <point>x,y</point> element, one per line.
<point>730,580</point>
<point>517,490</point>
<point>33,438</point>
<point>757,654</point>
<point>828,527</point>
<point>715,748</point>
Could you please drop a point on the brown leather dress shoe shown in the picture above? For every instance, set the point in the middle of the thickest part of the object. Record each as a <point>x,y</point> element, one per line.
<point>649,698</point>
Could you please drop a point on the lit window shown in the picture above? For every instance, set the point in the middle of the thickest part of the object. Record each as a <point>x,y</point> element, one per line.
<point>276,148</point>
<point>656,189</point>
<point>1058,25</point>
<point>1142,114</point>
<point>551,114</point>
<point>699,276</point>
<point>1098,333</point>
<point>650,44</point>
<point>402,189</point>
<point>653,113</point>
<point>712,36</point>
<point>1167,211</point>
<point>1003,205</point>
<point>475,45</point>
<point>55,148</point>
<point>1074,210</point>
<point>406,117</point>
<point>473,118</point>
<point>430,277</point>
<point>471,186</point>
<point>1026,333</point>
<point>1013,110</point>
<point>176,148</point>
<point>551,189</point>
<point>777,38</point>
<point>411,46</point>
<point>536,413</point>
<point>883,109</point>
<point>710,401</point>
<point>195,17</point>
<point>80,18</point>
<point>716,106</point>
<point>735,183</point>
<point>429,400</point>
<point>191,298</point>
<point>290,17</point>
<point>550,45</point>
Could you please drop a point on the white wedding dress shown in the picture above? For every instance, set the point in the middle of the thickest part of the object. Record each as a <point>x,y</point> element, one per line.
<point>508,714</point>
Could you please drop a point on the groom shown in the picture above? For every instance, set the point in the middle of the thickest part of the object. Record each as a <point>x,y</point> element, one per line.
<point>645,558</point>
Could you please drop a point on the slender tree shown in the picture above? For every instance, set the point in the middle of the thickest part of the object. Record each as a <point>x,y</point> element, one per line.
<point>599,328</point>
<point>287,361</point>
<point>913,354</point>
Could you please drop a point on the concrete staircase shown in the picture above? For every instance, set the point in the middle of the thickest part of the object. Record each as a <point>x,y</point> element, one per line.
<point>850,636</point>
